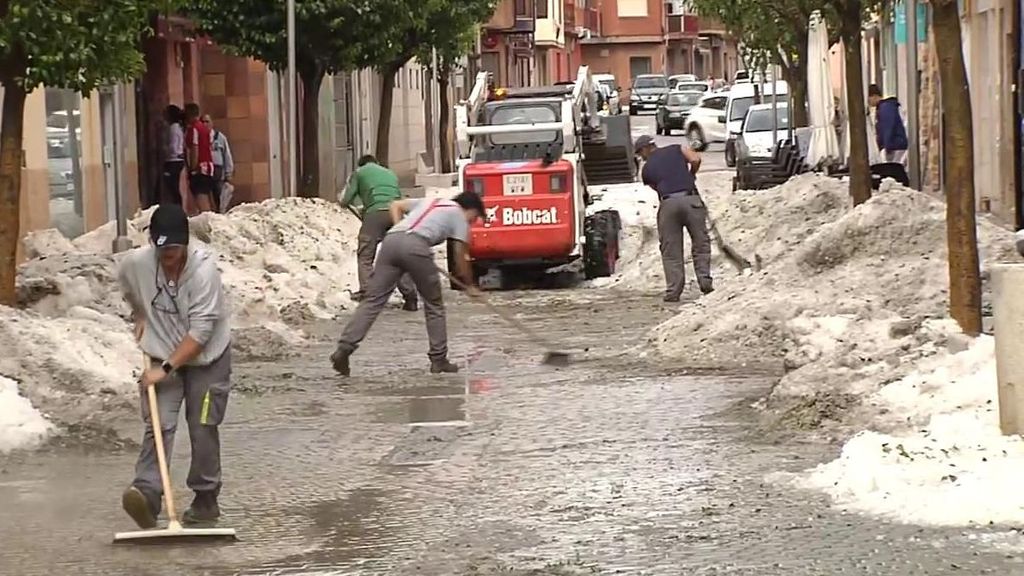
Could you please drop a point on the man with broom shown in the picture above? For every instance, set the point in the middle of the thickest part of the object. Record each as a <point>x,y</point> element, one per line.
<point>375,187</point>
<point>672,172</point>
<point>419,225</point>
<point>181,318</point>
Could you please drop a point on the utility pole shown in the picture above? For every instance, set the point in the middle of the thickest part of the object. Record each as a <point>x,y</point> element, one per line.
<point>121,241</point>
<point>913,133</point>
<point>293,160</point>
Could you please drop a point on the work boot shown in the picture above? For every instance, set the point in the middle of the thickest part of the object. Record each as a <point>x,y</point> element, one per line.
<point>358,296</point>
<point>706,287</point>
<point>443,366</point>
<point>411,305</point>
<point>204,510</point>
<point>139,507</point>
<point>339,360</point>
<point>670,299</point>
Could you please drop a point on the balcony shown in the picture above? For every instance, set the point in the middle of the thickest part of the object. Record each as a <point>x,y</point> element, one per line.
<point>569,15</point>
<point>682,26</point>
<point>592,20</point>
<point>708,25</point>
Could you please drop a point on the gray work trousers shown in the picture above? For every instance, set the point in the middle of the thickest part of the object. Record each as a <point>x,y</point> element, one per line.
<point>402,253</point>
<point>204,390</point>
<point>375,226</point>
<point>675,213</point>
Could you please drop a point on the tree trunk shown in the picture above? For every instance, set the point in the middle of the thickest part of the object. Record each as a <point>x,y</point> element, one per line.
<point>796,76</point>
<point>387,98</point>
<point>309,183</point>
<point>860,168</point>
<point>958,160</point>
<point>444,120</point>
<point>10,188</point>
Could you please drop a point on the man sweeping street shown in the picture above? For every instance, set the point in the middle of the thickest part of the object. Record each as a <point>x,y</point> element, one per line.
<point>408,249</point>
<point>375,187</point>
<point>175,293</point>
<point>671,171</point>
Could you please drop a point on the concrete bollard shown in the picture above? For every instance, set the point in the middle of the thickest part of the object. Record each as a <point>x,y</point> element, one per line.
<point>1008,312</point>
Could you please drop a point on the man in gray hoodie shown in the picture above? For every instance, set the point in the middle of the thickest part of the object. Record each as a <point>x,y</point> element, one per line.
<point>180,312</point>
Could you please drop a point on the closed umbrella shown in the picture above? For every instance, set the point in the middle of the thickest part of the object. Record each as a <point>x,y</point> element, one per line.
<point>824,145</point>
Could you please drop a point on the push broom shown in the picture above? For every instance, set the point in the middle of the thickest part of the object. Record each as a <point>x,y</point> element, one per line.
<point>174,531</point>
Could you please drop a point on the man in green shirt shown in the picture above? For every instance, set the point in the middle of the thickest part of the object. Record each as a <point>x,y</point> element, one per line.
<point>375,187</point>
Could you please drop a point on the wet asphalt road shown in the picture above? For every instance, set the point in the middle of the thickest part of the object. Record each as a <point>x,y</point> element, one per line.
<point>611,466</point>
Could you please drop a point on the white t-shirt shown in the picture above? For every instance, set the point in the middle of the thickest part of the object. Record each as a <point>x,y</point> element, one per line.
<point>175,142</point>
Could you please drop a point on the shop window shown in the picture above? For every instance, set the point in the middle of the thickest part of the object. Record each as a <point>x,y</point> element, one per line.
<point>63,160</point>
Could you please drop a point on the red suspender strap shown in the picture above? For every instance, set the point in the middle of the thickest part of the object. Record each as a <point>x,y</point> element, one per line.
<point>433,204</point>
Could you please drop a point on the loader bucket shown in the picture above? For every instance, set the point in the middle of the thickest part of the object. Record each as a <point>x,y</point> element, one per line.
<point>608,153</point>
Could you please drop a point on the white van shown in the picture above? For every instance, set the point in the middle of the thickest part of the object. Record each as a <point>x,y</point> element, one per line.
<point>741,98</point>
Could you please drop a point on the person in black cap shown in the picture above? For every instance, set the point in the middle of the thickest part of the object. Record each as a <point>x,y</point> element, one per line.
<point>174,289</point>
<point>672,172</point>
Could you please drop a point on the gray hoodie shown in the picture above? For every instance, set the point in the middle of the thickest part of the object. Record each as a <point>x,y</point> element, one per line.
<point>196,306</point>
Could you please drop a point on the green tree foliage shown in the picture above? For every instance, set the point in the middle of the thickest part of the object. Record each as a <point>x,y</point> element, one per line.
<point>417,27</point>
<point>73,44</point>
<point>450,42</point>
<point>331,36</point>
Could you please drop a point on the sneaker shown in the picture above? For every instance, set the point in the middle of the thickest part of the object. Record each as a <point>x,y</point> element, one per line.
<point>443,367</point>
<point>339,360</point>
<point>139,508</point>
<point>411,305</point>
<point>670,299</point>
<point>706,288</point>
<point>204,510</point>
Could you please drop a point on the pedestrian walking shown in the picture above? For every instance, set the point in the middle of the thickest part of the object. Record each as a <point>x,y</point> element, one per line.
<point>223,166</point>
<point>173,154</point>
<point>671,171</point>
<point>376,188</point>
<point>890,132</point>
<point>199,156</point>
<point>408,249</point>
<point>180,311</point>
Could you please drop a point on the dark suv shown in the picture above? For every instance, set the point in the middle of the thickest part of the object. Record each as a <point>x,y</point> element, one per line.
<point>649,90</point>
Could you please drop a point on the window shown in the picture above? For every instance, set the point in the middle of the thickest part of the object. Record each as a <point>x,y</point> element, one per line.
<point>761,120</point>
<point>63,161</point>
<point>541,8</point>
<point>522,10</point>
<point>650,82</point>
<point>688,99</point>
<point>716,103</point>
<point>692,87</point>
<point>740,107</point>
<point>641,65</point>
<point>523,115</point>
<point>632,8</point>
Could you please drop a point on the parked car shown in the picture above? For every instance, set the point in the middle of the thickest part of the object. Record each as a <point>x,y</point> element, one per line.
<point>755,138</point>
<point>607,82</point>
<point>672,114</point>
<point>648,91</point>
<point>741,98</point>
<point>694,86</point>
<point>677,78</point>
<point>705,123</point>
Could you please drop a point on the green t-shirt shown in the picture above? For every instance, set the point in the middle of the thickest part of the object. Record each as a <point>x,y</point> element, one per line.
<point>375,186</point>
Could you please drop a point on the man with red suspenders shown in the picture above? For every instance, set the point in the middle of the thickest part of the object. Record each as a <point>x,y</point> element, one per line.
<point>408,249</point>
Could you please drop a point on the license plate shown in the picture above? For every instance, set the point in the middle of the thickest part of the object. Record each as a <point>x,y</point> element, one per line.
<point>518,184</point>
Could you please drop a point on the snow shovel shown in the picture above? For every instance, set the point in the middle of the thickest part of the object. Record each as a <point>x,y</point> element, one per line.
<point>552,357</point>
<point>174,531</point>
<point>730,253</point>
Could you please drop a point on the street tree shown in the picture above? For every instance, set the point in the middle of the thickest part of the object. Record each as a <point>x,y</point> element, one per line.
<point>413,28</point>
<point>851,15</point>
<point>449,47</point>
<point>772,32</point>
<point>958,163</point>
<point>331,36</point>
<point>72,44</point>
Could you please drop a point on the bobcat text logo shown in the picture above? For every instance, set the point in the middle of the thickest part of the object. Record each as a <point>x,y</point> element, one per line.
<point>520,216</point>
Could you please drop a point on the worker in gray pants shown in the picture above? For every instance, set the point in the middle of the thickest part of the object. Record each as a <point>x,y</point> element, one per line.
<point>375,187</point>
<point>671,171</point>
<point>178,303</point>
<point>408,249</point>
